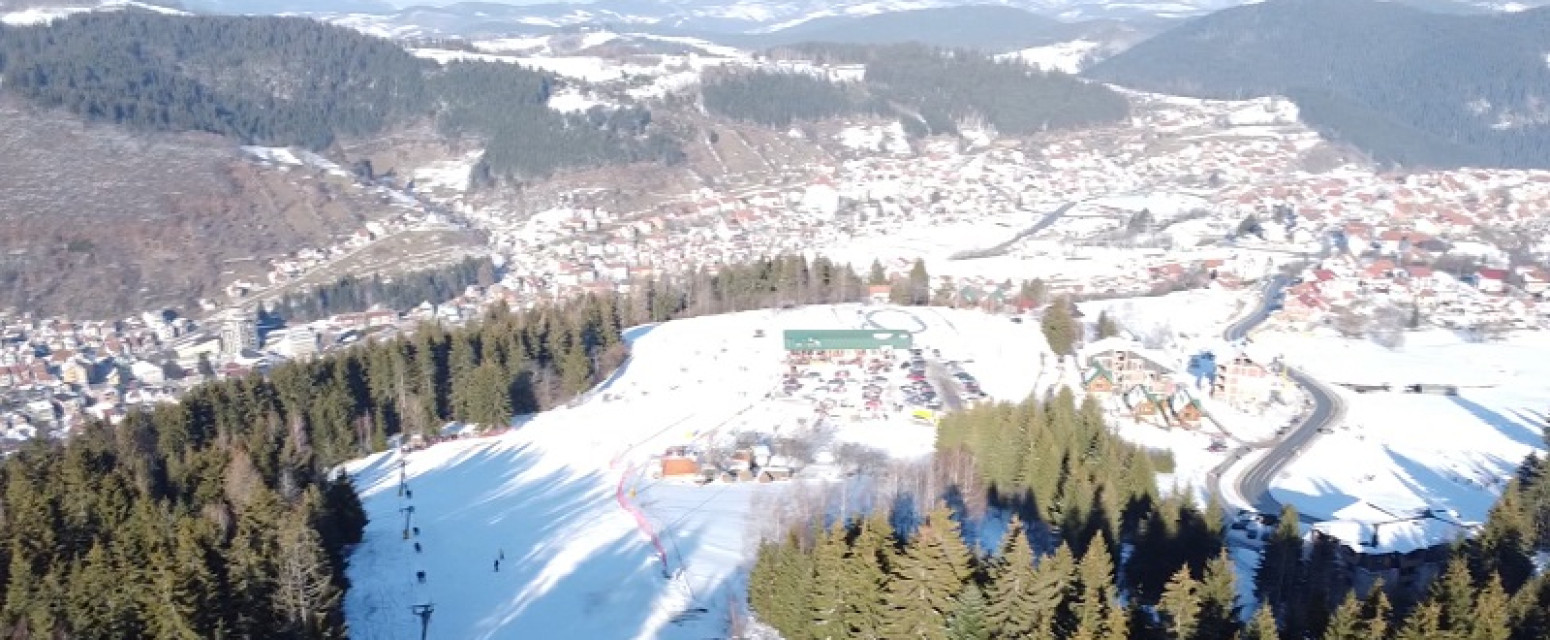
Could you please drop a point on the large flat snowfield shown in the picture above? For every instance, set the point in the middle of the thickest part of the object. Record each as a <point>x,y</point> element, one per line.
<point>1404,451</point>
<point>557,495</point>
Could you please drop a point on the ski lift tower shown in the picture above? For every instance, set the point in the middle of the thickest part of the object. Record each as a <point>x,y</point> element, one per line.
<point>424,612</point>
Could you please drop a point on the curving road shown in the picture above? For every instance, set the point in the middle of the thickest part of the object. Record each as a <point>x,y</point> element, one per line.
<point>1253,484</point>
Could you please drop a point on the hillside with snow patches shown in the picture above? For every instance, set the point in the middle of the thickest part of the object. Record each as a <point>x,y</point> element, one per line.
<point>555,495</point>
<point>28,16</point>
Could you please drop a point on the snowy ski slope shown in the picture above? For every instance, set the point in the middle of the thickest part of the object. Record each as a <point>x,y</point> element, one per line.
<point>555,496</point>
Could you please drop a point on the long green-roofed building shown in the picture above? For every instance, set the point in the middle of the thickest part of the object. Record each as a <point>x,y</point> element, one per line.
<point>847,339</point>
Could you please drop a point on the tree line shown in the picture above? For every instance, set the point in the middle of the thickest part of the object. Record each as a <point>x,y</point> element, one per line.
<point>931,90</point>
<point>1082,493</point>
<point>216,517</point>
<point>777,99</point>
<point>297,82</point>
<point>1047,461</point>
<point>507,106</point>
<point>354,293</point>
<point>169,525</point>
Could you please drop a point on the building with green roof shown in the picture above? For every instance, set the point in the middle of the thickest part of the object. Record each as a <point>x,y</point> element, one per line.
<point>847,339</point>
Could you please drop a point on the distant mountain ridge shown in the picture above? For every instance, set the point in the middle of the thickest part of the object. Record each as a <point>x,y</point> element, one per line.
<point>720,16</point>
<point>1410,87</point>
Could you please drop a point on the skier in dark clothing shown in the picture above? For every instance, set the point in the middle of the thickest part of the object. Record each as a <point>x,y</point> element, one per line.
<point>497,566</point>
<point>416,547</point>
<point>420,575</point>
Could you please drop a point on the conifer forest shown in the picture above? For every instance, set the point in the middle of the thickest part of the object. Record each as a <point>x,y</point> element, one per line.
<point>220,516</point>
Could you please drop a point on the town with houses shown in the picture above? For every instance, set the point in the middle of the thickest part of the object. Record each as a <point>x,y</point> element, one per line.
<point>1189,193</point>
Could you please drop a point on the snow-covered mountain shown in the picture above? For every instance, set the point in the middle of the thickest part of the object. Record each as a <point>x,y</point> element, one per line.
<point>22,12</point>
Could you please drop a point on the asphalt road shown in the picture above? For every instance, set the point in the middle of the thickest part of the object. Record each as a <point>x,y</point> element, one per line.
<point>945,385</point>
<point>1254,483</point>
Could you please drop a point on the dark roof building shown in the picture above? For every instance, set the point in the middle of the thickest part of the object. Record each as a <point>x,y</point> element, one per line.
<point>846,339</point>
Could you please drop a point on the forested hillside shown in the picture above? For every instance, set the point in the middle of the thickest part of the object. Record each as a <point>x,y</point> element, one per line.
<point>777,99</point>
<point>1408,86</point>
<point>293,81</point>
<point>399,292</point>
<point>931,90</point>
<point>1059,467</point>
<point>215,518</point>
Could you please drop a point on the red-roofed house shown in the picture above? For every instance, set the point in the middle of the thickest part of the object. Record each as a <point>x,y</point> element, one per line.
<point>1492,280</point>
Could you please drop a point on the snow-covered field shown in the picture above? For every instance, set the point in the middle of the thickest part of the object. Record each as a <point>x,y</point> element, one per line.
<point>550,495</point>
<point>1065,57</point>
<point>44,15</point>
<point>876,138</point>
<point>1402,451</point>
<point>285,156</point>
<point>449,175</point>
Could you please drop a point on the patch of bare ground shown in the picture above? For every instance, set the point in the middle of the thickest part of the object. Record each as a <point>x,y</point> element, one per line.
<point>98,222</point>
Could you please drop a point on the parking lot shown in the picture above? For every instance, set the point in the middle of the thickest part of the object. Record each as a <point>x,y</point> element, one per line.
<point>875,385</point>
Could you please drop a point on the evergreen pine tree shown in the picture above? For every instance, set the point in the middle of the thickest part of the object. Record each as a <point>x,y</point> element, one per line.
<point>919,283</point>
<point>1453,592</point>
<point>968,618</point>
<point>1278,566</point>
<point>1107,327</point>
<point>877,275</point>
<point>922,589</point>
<point>1218,596</point>
<point>1010,612</point>
<point>1376,611</point>
<point>1050,593</point>
<point>1262,626</point>
<point>1347,622</point>
<point>1491,619</point>
<point>1180,606</point>
<point>1060,329</point>
<point>1099,597</point>
<point>866,567</point>
<point>1423,623</point>
<point>829,604</point>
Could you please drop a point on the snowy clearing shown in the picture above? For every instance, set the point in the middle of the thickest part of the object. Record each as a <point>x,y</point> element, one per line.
<point>1065,57</point>
<point>559,495</point>
<point>450,175</point>
<point>1401,451</point>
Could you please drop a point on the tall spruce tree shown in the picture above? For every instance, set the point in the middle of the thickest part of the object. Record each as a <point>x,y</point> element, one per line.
<point>867,565</point>
<point>1347,622</point>
<point>1218,596</point>
<point>1453,592</point>
<point>926,581</point>
<point>968,619</point>
<point>831,593</point>
<point>1060,328</point>
<point>1423,623</point>
<point>1107,327</point>
<point>1095,607</point>
<point>1262,626</point>
<point>1276,578</point>
<point>1491,619</point>
<point>1010,612</point>
<point>1051,591</point>
<point>1180,606</point>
